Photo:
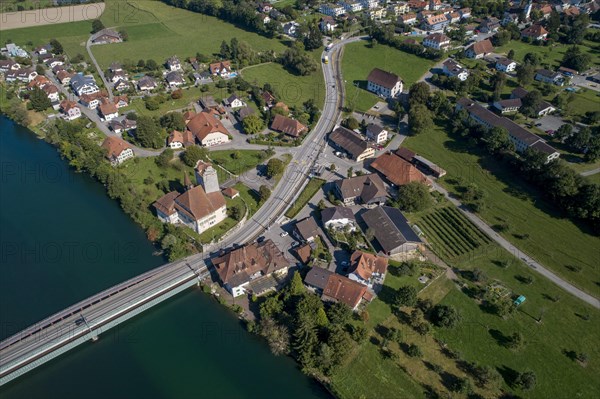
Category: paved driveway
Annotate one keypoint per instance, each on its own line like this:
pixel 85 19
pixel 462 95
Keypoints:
pixel 550 122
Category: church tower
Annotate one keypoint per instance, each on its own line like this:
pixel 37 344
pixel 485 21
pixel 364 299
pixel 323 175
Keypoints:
pixel 207 177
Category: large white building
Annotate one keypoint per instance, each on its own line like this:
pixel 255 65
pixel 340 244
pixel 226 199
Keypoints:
pixel 333 10
pixel 384 83
pixel 199 207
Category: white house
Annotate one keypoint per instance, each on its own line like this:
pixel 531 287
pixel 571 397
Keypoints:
pixel 117 150
pixel 333 10
pixel 109 111
pixel 290 28
pixel 173 64
pixel 208 130
pixel 454 69
pixel 52 92
pixel 377 133
pixel 367 269
pixel 70 110
pixel 370 4
pixel 26 75
pixel 506 65
pixel 234 102
pixel 546 76
pixel 174 79
pixel 82 84
pixel 147 83
pixel 384 83
pixel 338 217
pixel 437 41
pixel 327 24
pixel 351 5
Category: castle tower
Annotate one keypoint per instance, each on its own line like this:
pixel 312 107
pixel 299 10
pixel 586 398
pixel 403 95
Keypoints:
pixel 207 177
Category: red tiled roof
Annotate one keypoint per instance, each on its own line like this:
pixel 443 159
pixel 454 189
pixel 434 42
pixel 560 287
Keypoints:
pixel 397 170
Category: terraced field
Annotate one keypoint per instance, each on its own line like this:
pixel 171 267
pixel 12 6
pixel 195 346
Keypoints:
pixel 450 234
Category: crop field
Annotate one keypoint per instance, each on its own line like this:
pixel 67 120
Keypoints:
pixel 451 233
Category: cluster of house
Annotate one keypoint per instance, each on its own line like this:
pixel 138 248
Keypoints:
pixel 514 103
pixel 520 137
pixel 12 70
pixel 569 8
pixel 204 128
pixel 354 145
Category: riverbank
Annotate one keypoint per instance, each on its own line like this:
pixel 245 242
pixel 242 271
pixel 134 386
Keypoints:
pixel 77 242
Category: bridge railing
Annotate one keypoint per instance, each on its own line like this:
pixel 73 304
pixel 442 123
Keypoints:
pixel 76 308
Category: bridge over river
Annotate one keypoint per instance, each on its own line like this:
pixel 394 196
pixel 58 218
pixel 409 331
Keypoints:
pixel 87 319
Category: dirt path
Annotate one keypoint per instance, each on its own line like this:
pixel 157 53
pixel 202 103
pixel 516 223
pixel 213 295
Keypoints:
pixel 50 16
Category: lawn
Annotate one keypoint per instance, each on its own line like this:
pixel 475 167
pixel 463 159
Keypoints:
pixel 238 161
pixel 292 89
pixel 251 198
pixel 552 55
pixel 593 178
pixel 359 59
pixel 551 239
pixel 309 191
pixel 478 338
pixel 158 31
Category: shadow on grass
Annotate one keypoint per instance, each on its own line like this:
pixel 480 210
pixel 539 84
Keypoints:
pixel 500 338
pixel 509 375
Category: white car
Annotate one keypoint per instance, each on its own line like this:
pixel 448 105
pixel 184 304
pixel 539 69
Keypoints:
pixel 284 234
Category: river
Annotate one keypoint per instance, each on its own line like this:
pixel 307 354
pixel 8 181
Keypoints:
pixel 61 240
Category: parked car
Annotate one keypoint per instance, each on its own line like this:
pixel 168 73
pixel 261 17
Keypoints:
pixel 550 132
pixel 284 234
pixel 260 239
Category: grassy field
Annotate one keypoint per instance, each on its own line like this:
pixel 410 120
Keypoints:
pixel 555 241
pixel 309 191
pixel 552 55
pixel 291 89
pixel 567 326
pixel 159 31
pixel 11 5
pixel 250 197
pixel 359 59
pixel 238 161
pixel 593 178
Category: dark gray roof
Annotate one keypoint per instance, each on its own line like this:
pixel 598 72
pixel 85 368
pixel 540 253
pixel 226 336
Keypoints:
pixel 244 112
pixel 368 187
pixel 519 92
pixel 511 102
pixel 307 228
pixel 544 147
pixel 374 129
pixel 317 277
pixel 336 212
pixel 390 227
pixel 349 141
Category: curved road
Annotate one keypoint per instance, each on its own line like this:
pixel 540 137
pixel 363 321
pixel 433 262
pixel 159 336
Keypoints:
pixel 88 46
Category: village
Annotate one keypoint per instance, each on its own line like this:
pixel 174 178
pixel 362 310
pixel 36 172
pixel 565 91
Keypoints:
pixel 373 204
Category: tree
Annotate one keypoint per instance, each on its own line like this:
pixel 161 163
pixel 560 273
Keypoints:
pixel 264 193
pixel 419 118
pixel 474 197
pixel 351 123
pixel 526 380
pixel 339 313
pixel 151 65
pixel 39 100
pixel 141 64
pixel 97 26
pixel 236 212
pixel 414 351
pixel 515 341
pixel 57 48
pixel 414 197
pixel 332 167
pixel 193 154
pixel 460 385
pixel 406 296
pixel 298 61
pixel 173 121
pixel 533 59
pixel 350 172
pixel 296 286
pixel 579 140
pixel 445 316
pixel 148 132
pixel 563 132
pixel 497 140
pixel 225 51
pixel 487 376
pixel 164 158
pixel 253 124
pixel 530 103
pixel 276 335
pixel 313 39
pixel 511 54
pixel 418 93
pixel 525 74
pixel 275 166
pixel 574 58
